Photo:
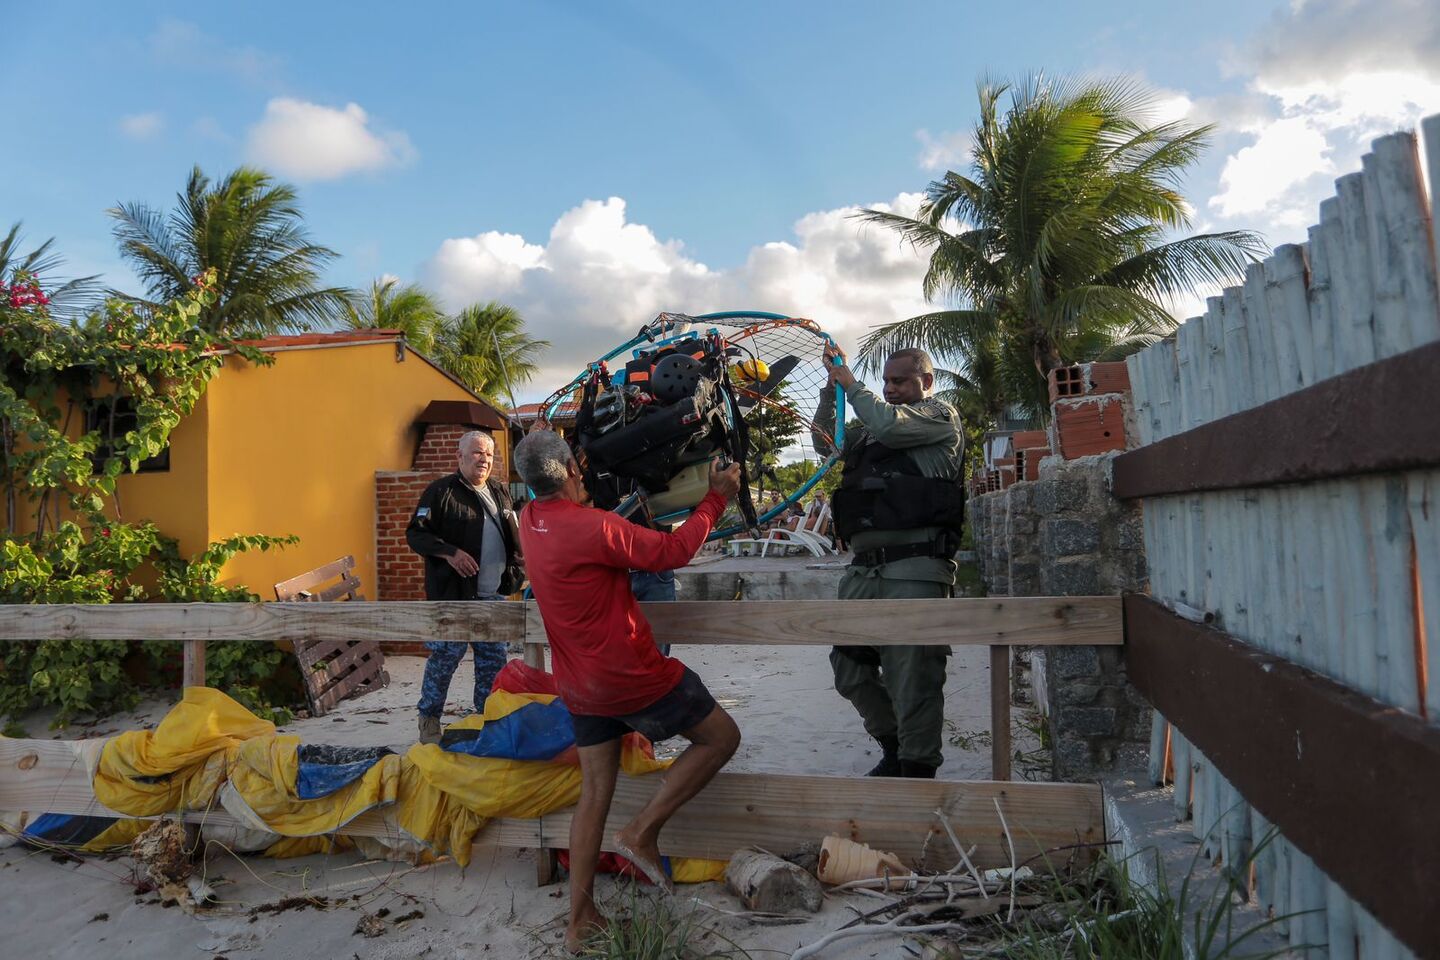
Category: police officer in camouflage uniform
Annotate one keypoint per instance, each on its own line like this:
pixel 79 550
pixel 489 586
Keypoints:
pixel 900 506
pixel 465 529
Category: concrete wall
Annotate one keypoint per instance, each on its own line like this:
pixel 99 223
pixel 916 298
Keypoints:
pixel 722 581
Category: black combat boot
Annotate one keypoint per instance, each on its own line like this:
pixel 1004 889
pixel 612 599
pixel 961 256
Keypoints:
pixel 916 770
pixel 889 765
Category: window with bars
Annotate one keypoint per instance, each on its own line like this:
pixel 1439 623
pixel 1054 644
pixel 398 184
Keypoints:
pixel 114 417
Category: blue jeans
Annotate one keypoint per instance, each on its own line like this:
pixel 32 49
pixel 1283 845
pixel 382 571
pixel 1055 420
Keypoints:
pixel 445 657
pixel 653 586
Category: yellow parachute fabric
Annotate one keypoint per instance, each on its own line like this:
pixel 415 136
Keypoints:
pixel 264 773
pixel 182 762
pixel 119 834
pixel 436 802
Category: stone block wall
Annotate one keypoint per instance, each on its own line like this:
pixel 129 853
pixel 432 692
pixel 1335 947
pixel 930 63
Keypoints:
pixel 1065 534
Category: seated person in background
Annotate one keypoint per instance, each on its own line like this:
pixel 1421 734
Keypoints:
pixel 610 674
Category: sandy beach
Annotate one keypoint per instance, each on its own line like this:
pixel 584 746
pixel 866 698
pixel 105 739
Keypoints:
pixel 308 908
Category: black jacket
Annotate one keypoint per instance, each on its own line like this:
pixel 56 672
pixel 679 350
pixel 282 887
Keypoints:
pixel 450 515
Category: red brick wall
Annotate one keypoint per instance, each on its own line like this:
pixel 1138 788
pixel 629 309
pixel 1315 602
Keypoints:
pixel 400 572
pixel 1085 426
pixel 437 453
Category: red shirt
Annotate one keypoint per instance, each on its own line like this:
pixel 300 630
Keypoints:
pixel 579 561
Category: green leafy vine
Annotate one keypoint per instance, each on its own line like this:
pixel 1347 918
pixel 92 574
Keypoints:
pixel 63 541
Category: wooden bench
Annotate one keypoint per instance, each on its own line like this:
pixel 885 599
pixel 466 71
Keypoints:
pixel 333 670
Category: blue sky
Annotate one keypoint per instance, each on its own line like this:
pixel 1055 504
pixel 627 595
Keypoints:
pixel 596 162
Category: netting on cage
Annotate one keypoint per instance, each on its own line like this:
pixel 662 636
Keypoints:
pixel 746 385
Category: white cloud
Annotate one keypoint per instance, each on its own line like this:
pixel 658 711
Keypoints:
pixel 1170 106
pixel 948 151
pixel 598 277
pixel 1325 78
pixel 309 141
pixel 141 126
pixel 482 267
pixel 1316 39
pixel 1285 153
pixel 180 43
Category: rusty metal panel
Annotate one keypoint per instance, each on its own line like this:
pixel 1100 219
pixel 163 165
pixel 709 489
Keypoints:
pixel 1350 781
pixel 1384 416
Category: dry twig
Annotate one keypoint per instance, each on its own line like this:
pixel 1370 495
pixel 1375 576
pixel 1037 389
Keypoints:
pixel 1010 917
pixel 964 855
pixel 893 926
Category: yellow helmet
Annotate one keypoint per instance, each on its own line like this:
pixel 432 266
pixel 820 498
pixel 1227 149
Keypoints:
pixel 751 371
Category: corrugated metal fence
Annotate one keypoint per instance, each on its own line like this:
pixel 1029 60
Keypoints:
pixel 1340 574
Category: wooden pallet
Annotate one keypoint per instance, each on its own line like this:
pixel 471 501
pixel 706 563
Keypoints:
pixel 333 670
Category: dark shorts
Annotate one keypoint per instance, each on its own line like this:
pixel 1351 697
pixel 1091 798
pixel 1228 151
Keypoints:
pixel 674 713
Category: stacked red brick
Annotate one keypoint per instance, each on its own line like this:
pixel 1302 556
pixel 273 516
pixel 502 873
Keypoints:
pixel 1088 408
pixel 1030 446
pixel 438 450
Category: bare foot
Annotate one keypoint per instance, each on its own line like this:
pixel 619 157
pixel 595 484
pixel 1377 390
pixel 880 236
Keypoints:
pixel 646 857
pixel 582 928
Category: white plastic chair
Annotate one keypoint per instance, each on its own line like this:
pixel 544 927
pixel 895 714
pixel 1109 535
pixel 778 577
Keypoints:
pixel 808 533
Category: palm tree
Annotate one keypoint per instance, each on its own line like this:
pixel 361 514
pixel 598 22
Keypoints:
pixel 68 298
pixel 388 306
pixel 250 229
pixel 486 347
pixel 1061 246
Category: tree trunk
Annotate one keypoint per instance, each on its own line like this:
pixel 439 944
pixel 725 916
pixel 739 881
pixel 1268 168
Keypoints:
pixel 9 480
pixel 766 883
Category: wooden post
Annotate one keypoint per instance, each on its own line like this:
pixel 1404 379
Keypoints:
pixel 194 672
pixel 547 863
pixel 999 713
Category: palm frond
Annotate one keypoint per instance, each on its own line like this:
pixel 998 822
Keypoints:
pixel 250 230
pixel 945 334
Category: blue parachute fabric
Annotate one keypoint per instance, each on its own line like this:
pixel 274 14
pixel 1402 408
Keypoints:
pixel 66 829
pixel 323 769
pixel 536 731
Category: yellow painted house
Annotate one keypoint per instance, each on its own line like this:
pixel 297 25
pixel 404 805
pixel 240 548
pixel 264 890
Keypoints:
pixel 295 448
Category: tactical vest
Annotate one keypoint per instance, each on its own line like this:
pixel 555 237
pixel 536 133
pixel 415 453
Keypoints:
pixel 883 489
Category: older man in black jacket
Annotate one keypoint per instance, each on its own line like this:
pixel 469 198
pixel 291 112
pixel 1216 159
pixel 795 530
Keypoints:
pixel 464 527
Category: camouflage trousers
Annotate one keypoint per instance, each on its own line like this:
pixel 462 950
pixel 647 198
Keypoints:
pixel 445 657
pixel 899 691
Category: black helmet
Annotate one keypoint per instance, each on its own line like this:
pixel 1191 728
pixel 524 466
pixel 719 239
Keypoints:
pixel 675 377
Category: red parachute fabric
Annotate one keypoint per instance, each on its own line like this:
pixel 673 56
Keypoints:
pixel 517 676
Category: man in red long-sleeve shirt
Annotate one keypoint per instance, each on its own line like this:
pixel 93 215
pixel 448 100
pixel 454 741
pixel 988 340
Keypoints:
pixel 611 675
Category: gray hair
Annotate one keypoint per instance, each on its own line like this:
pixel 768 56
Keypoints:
pixel 541 460
pixel 475 436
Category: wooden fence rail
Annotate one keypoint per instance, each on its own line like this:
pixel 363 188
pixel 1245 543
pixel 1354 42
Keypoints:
pixel 997 623
pixel 733 811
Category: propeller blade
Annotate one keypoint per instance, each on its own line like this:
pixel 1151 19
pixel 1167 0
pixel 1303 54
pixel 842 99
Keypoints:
pixel 778 372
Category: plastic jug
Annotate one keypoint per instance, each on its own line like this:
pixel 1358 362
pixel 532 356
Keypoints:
pixel 688 488
pixel 843 860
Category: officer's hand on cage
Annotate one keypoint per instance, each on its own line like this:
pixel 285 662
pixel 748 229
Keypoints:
pixel 725 482
pixel 839 372
pixel 462 563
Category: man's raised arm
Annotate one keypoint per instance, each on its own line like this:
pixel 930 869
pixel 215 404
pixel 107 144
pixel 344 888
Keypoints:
pixel 629 545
